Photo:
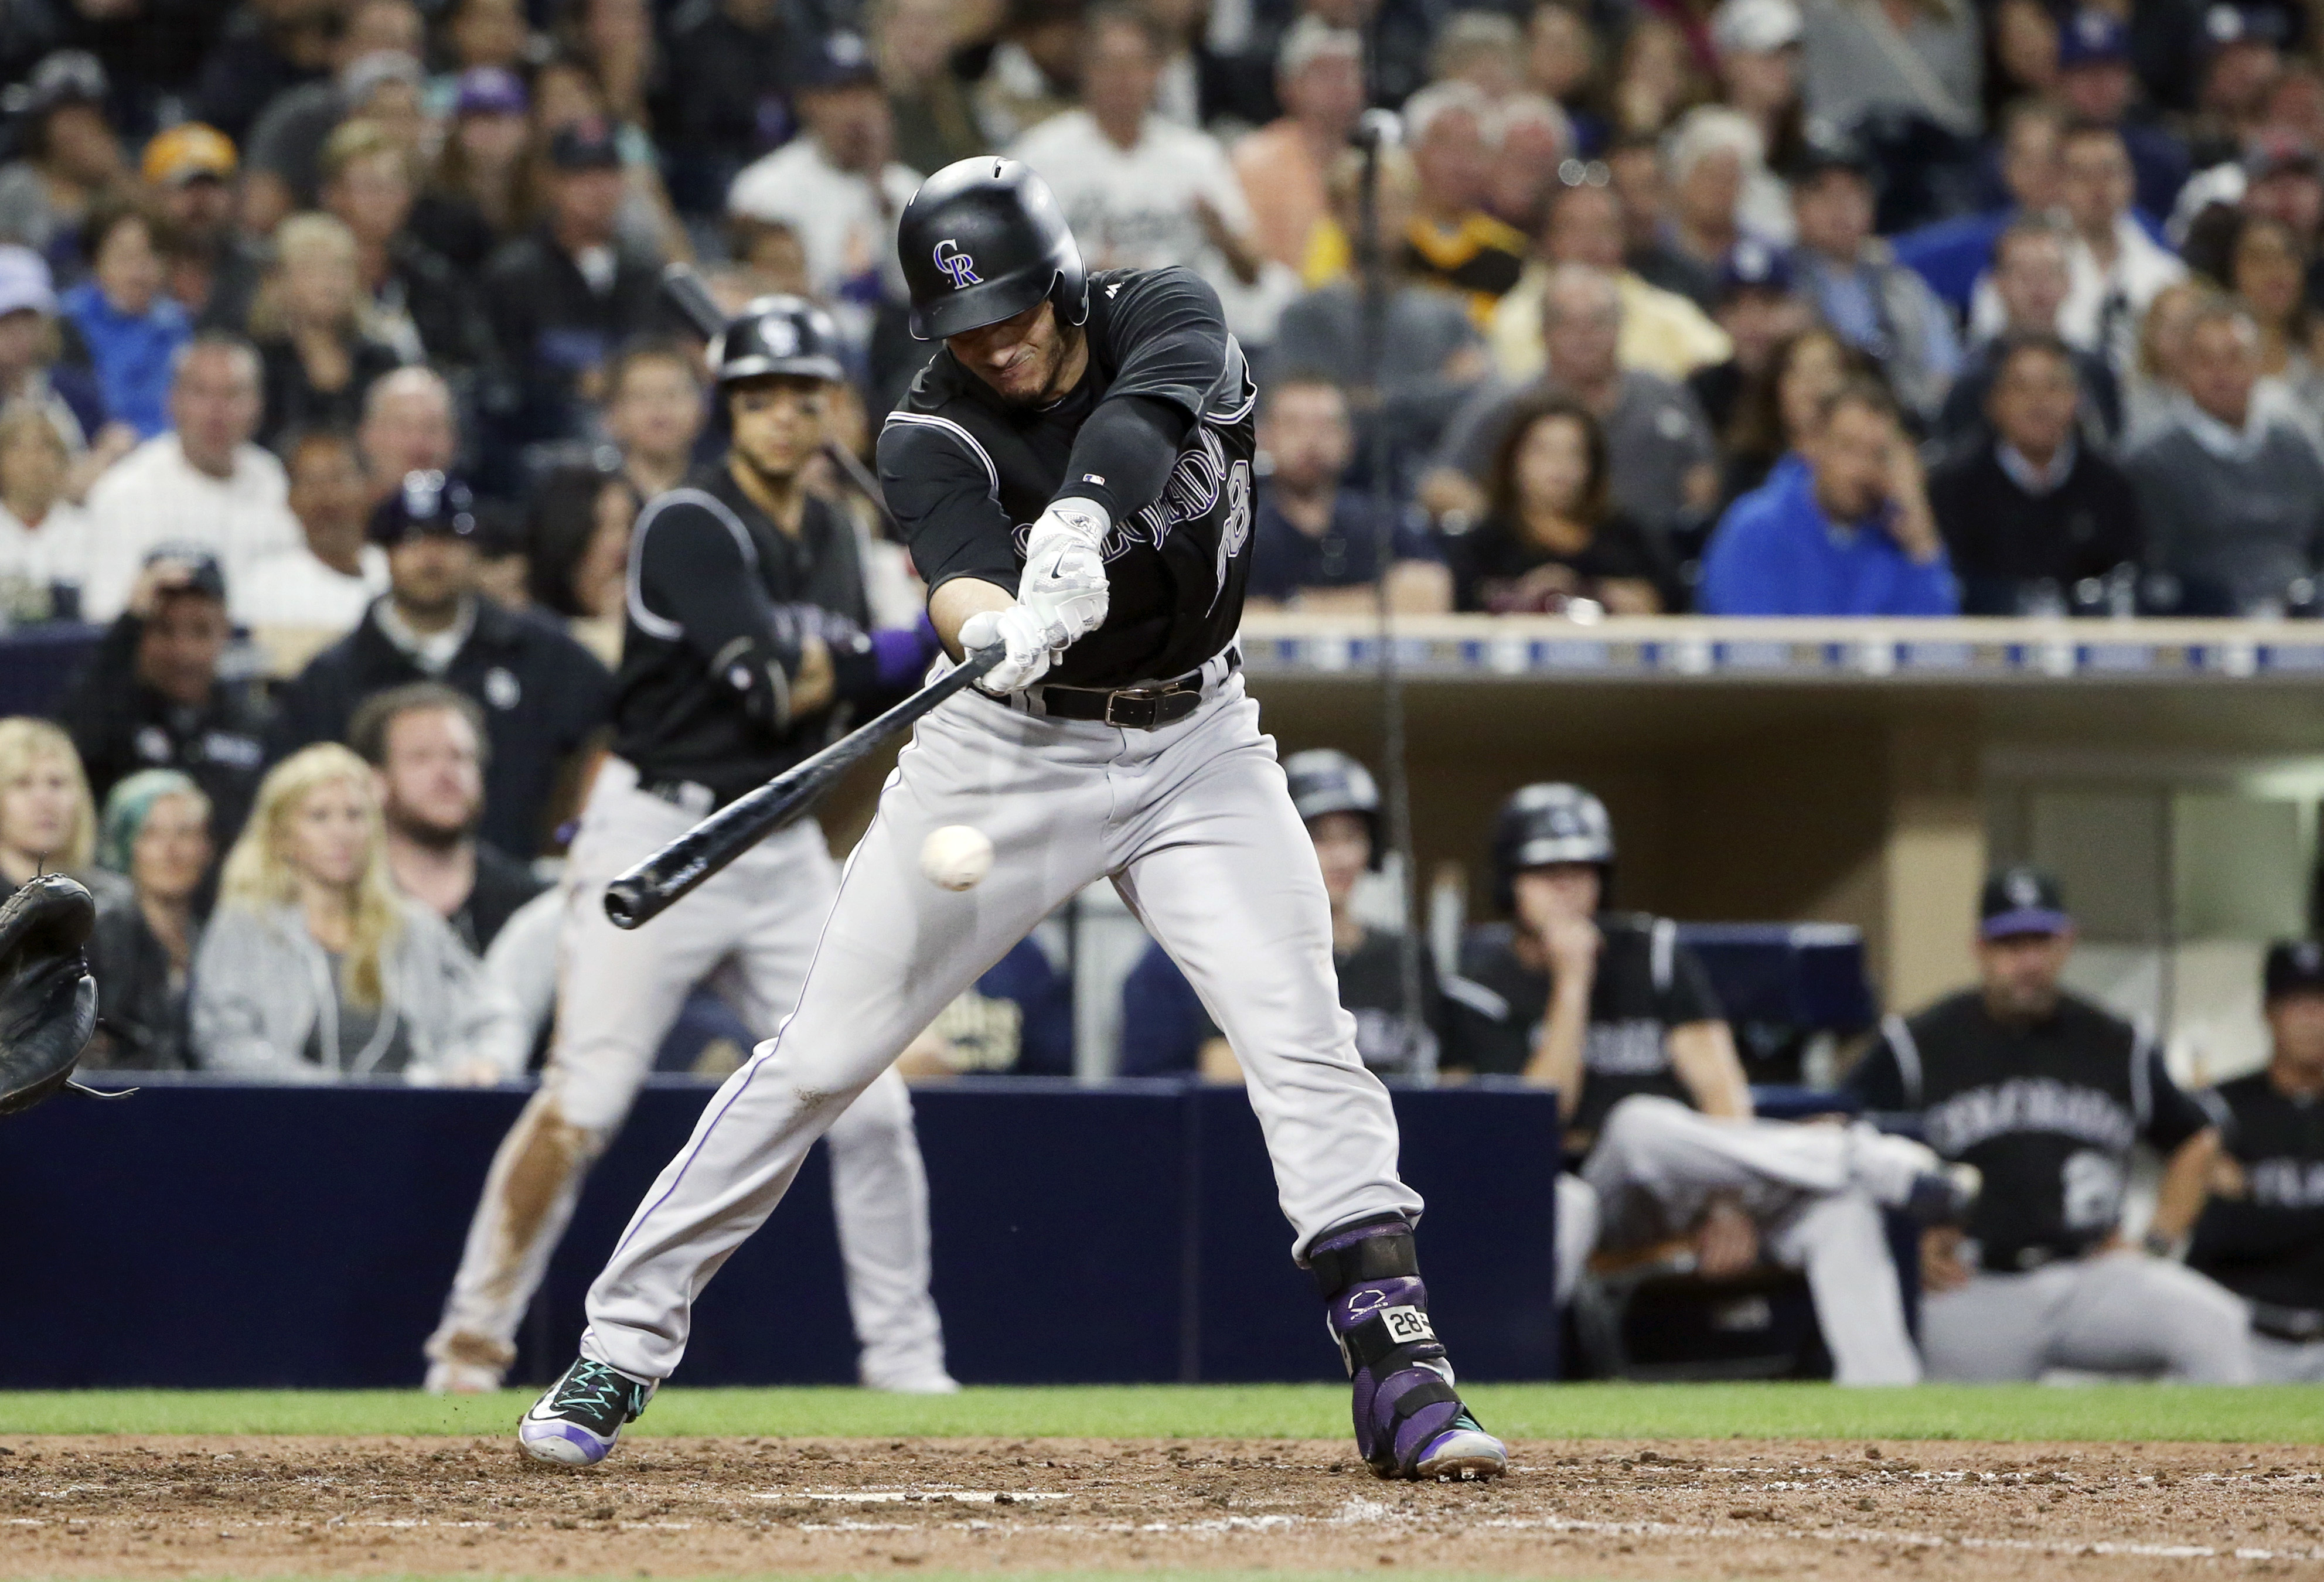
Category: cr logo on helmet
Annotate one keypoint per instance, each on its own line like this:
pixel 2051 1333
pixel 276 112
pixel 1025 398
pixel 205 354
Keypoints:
pixel 959 266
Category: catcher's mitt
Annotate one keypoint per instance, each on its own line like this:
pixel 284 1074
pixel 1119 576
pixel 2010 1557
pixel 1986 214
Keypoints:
pixel 48 1000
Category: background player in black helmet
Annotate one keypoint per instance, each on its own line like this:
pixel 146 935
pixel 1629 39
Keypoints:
pixel 2262 1234
pixel 1609 1008
pixel 1163 1028
pixel 2047 1095
pixel 1072 471
pixel 744 651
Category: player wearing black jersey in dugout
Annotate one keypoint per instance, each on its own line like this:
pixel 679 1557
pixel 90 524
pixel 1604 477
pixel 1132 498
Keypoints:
pixel 745 652
pixel 2047 1094
pixel 2262 1234
pixel 1612 1011
pixel 1072 471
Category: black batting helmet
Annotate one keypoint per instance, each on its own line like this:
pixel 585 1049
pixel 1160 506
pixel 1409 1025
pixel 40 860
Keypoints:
pixel 982 240
pixel 1547 824
pixel 1326 780
pixel 777 334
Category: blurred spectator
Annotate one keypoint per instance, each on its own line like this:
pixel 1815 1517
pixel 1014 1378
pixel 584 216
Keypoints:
pixel 484 35
pixel 311 327
pixel 1658 446
pixel 2118 268
pixel 47 819
pixel 1453 130
pixel 577 554
pixel 202 482
pixel 1953 255
pixel 156 833
pixel 1663 333
pixel 1924 60
pixel 1034 69
pixel 617 38
pixel 412 301
pixel 544 695
pixel 1655 73
pixel 2037 519
pixel 2262 1233
pixel 1481 47
pixel 1534 141
pixel 476 198
pixel 2267 267
pixel 927 102
pixel 426 743
pixel 727 93
pixel 565 94
pixel 654 413
pixel 2240 56
pixel 1316 544
pixel 1551 539
pixel 408 426
pixel 1721 191
pixel 70 161
pixel 2046 1094
pixel 152 695
pixel 132 329
pixel 212 274
pixel 1758 43
pixel 2232 494
pixel 327 583
pixel 1849 533
pixel 2157 384
pixel 1145 193
pixel 268 48
pixel 375 76
pixel 2030 280
pixel 1165 1028
pixel 31 346
pixel 1758 310
pixel 312 969
pixel 2096 85
pixel 837 187
pixel 1634 169
pixel 1777 409
pixel 45 538
pixel 1562 64
pixel 1017 1020
pixel 1429 357
pixel 1858 287
pixel 1285 165
pixel 562 297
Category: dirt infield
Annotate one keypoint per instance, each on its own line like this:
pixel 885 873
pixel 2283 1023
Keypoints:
pixel 160 1507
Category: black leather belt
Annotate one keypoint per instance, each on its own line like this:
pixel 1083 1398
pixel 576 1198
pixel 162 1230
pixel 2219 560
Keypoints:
pixel 1132 708
pixel 2299 1325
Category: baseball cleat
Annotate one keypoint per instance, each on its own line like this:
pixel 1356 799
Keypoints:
pixel 1463 1452
pixel 1944 1196
pixel 580 1419
pixel 928 1380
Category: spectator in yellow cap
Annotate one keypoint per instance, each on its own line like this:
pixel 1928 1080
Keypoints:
pixel 208 270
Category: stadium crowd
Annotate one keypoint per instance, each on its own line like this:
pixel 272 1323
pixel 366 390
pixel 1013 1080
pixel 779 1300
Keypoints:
pixel 338 318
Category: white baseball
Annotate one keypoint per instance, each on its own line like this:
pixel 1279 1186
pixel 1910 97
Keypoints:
pixel 955 857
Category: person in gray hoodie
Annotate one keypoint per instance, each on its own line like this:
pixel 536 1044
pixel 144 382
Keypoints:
pixel 314 970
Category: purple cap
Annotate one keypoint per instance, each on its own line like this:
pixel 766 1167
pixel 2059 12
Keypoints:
pixel 490 90
pixel 24 282
pixel 2021 900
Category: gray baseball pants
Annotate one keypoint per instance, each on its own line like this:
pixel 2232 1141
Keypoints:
pixel 2120 1312
pixel 1193 825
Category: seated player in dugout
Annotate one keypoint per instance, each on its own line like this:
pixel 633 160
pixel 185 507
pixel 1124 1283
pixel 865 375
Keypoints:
pixel 1612 1011
pixel 2047 1095
pixel 1166 1031
pixel 2262 1234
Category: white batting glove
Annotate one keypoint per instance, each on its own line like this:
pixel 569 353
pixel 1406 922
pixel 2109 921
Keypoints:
pixel 1064 583
pixel 1021 633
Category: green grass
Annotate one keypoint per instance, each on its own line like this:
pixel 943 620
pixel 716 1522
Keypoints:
pixel 2271 1414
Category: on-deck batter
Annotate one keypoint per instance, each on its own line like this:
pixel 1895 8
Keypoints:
pixel 744 652
pixel 1084 442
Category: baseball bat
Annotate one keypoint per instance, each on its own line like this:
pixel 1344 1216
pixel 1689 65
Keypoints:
pixel 648 890
pixel 684 290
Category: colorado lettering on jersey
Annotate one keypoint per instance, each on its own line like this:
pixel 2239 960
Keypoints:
pixel 2286 1183
pixel 2029 1104
pixel 1632 1048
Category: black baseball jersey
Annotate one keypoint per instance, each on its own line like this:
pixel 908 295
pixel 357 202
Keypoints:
pixel 720 601
pixel 966 474
pixel 2268 1245
pixel 1646 983
pixel 2048 1111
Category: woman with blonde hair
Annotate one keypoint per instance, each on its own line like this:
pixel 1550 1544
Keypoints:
pixel 311 325
pixel 313 968
pixel 47 819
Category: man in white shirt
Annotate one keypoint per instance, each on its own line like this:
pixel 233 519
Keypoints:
pixel 203 482
pixel 1141 193
pixel 2116 268
pixel 408 427
pixel 331 578
pixel 836 188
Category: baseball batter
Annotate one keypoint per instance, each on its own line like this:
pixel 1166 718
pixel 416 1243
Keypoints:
pixel 1073 472
pixel 744 652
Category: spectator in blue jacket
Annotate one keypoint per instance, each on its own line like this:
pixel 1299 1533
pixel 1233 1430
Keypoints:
pixel 133 328
pixel 1849 532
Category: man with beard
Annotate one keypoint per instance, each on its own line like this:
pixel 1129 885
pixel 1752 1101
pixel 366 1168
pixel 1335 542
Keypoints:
pixel 427 744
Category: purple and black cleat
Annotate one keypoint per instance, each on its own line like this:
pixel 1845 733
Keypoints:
pixel 580 1419
pixel 1410 1421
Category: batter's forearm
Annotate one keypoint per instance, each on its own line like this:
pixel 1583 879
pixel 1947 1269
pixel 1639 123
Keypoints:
pixel 951 604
